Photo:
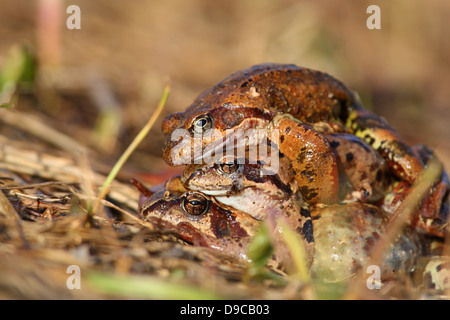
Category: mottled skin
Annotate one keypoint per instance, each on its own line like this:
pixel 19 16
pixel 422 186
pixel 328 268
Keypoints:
pixel 299 103
pixel 244 186
pixel 343 242
pixel 262 196
pixel 364 176
pixel 201 220
pixel 431 216
pixel 363 173
pixel 342 236
pixel 212 225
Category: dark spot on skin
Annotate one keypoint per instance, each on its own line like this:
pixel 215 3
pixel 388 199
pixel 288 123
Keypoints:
pixel 282 139
pixel 349 156
pixel 363 176
pixel 379 175
pixel 369 139
pixel 223 223
pixel 302 155
pixel 309 174
pixel 221 228
pixel 308 231
pixel 439 267
pixel 244 84
pixel 287 130
pixel 374 166
pixel 366 193
pixel 334 144
pixel 305 212
pixel 308 193
pixel 371 241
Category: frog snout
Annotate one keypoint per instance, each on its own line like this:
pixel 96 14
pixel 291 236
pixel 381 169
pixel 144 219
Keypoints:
pixel 171 122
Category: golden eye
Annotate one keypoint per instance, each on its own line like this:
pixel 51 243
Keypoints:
pixel 195 204
pixel 202 123
pixel 229 167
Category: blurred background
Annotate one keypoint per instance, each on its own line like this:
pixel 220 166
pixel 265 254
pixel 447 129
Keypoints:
pixel 101 83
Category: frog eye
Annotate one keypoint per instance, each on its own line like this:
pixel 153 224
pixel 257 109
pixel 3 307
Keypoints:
pixel 195 204
pixel 229 167
pixel 202 123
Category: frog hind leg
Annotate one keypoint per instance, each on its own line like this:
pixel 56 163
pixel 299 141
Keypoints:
pixel 312 159
pixel 375 131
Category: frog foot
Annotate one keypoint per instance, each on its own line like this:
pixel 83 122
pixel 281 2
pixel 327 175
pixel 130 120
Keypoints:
pixel 311 156
pixel 434 208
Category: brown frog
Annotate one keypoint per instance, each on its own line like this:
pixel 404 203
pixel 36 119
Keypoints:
pixel 249 187
pixel 364 176
pixel 201 220
pixel 294 102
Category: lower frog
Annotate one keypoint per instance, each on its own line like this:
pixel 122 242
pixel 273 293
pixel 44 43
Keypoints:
pixel 255 187
pixel 203 221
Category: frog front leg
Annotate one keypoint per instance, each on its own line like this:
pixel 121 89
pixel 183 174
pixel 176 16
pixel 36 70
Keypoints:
pixel 376 131
pixel 311 156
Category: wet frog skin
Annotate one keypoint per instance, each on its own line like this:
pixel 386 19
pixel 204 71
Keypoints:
pixel 197 218
pixel 252 98
pixel 203 221
pixel 343 242
pixel 364 176
pixel 245 186
pixel 431 216
pixel 343 234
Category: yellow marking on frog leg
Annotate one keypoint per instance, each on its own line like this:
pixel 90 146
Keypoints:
pixel 376 132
